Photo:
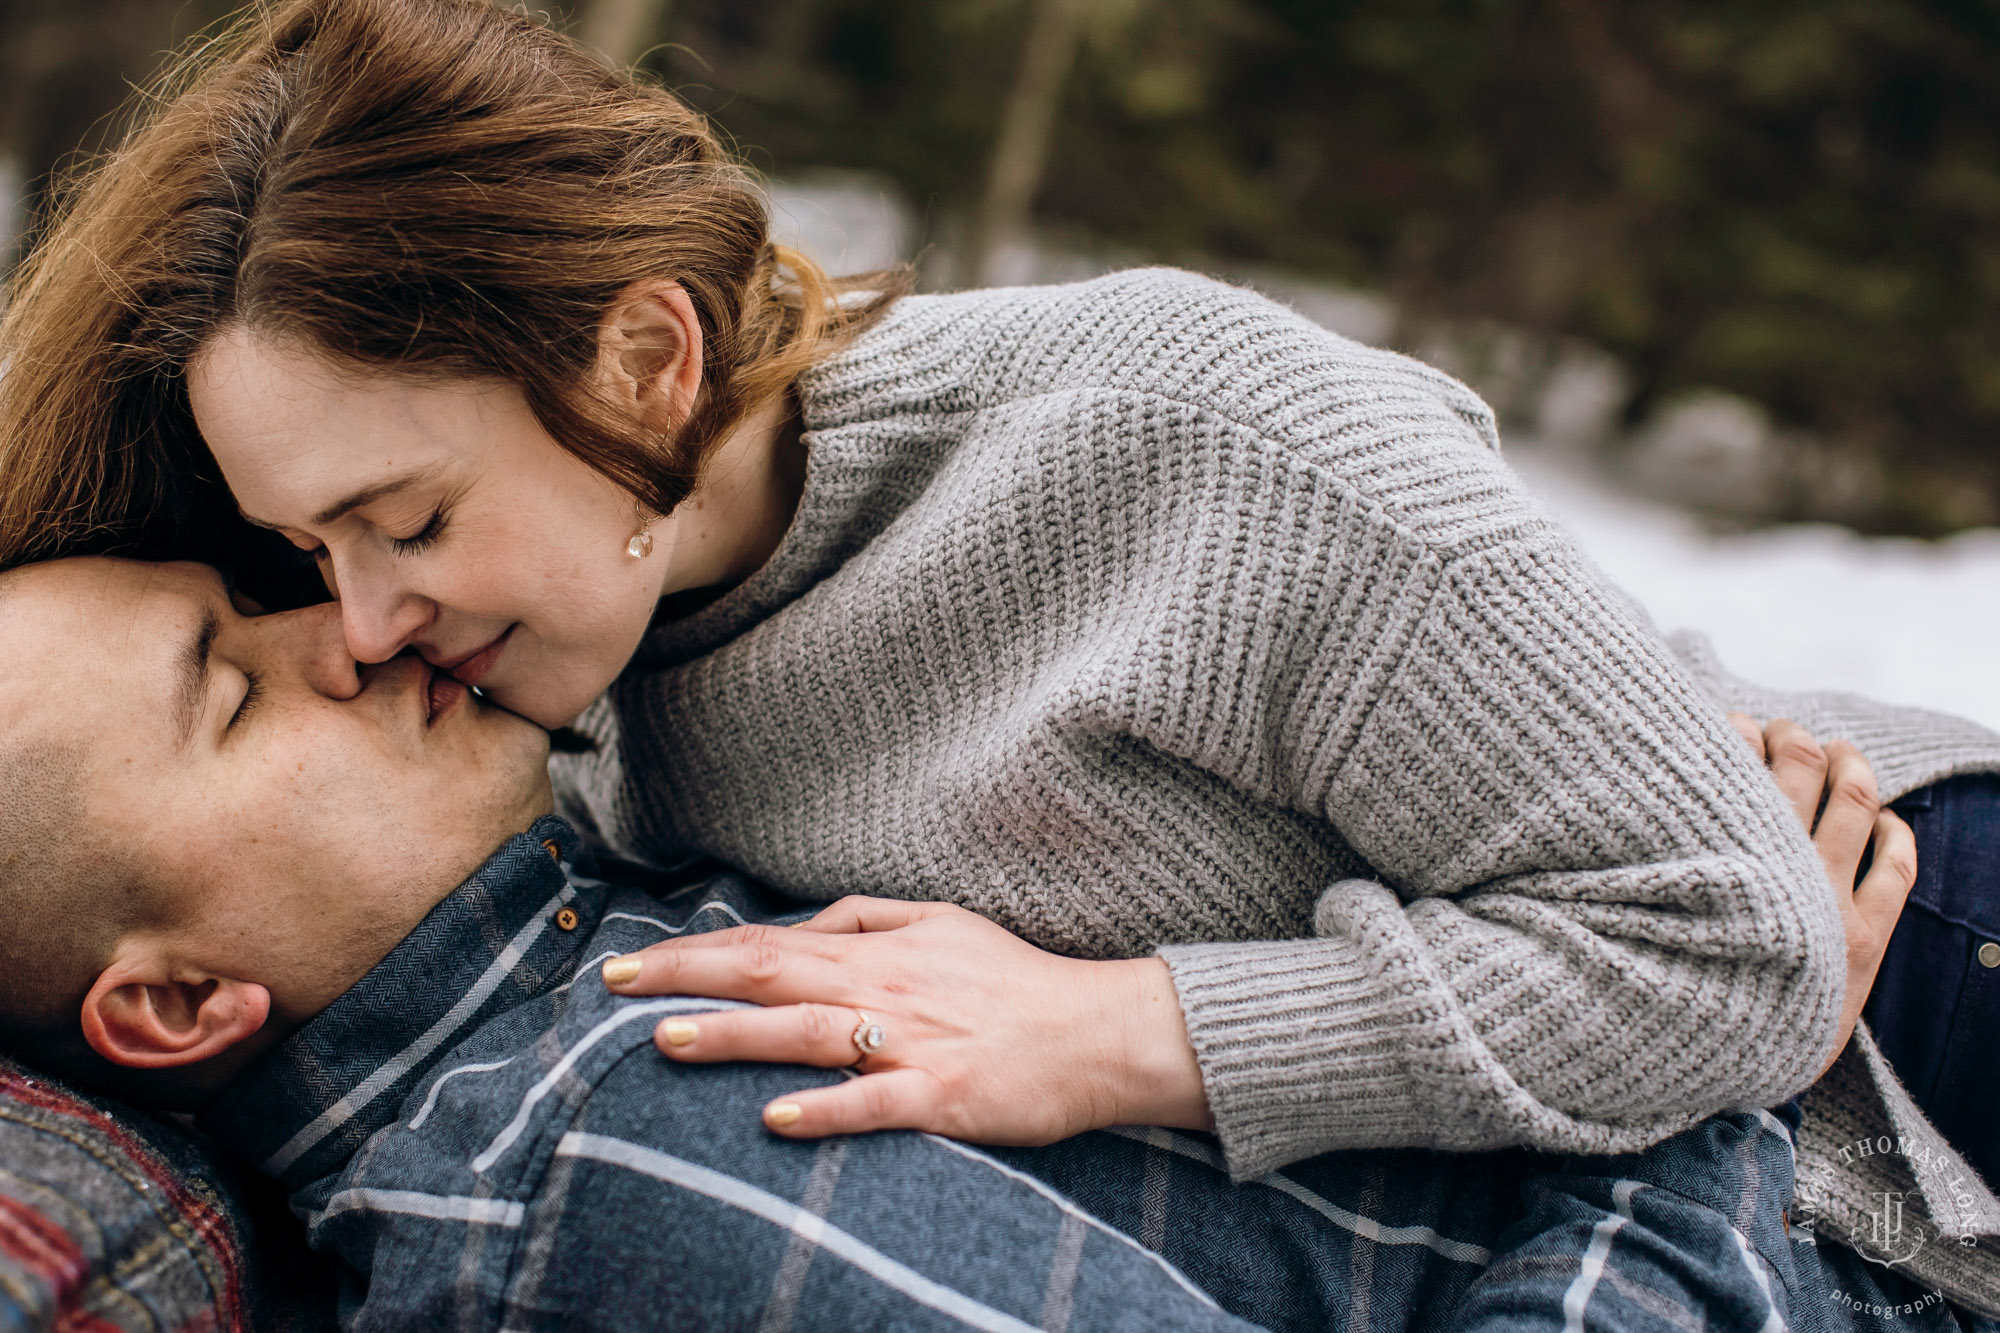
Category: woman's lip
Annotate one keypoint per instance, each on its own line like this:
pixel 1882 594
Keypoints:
pixel 472 669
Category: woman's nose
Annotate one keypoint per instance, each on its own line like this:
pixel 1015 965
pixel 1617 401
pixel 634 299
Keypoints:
pixel 379 620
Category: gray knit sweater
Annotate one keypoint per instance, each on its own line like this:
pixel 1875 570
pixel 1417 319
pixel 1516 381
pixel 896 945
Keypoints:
pixel 1144 614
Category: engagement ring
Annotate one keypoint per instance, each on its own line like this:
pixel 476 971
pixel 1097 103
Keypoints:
pixel 869 1036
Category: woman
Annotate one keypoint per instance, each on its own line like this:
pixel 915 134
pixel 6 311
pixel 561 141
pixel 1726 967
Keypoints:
pixel 1329 796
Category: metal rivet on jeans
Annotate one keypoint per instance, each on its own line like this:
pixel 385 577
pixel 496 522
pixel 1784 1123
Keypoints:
pixel 1989 954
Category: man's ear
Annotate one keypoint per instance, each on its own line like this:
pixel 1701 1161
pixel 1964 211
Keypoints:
pixel 142 1016
pixel 649 353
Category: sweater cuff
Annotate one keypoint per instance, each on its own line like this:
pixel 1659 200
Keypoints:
pixel 1351 1041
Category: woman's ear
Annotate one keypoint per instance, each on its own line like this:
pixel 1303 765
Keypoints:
pixel 649 352
pixel 140 1015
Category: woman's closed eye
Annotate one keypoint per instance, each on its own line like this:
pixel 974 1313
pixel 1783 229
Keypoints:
pixel 422 539
pixel 253 693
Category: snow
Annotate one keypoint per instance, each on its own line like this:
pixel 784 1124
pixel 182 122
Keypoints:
pixel 1805 607
pixel 849 222
pixel 1797 608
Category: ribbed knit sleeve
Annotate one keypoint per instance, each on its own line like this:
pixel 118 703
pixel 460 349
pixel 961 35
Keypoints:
pixel 1594 922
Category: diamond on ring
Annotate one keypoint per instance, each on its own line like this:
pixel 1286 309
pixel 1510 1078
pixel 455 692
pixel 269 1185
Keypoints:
pixel 869 1036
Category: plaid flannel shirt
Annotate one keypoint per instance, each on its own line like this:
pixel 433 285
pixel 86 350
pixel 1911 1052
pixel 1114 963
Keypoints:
pixel 487 1139
pixel 113 1219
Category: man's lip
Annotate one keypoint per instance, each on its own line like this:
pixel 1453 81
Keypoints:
pixel 435 692
pixel 442 693
pixel 472 668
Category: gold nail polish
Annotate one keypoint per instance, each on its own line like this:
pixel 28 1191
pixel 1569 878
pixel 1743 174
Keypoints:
pixel 781 1114
pixel 621 971
pixel 678 1031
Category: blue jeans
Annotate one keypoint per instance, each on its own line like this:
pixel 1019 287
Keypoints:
pixel 1935 1009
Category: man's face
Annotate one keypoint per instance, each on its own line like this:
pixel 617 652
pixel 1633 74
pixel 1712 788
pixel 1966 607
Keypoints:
pixel 306 812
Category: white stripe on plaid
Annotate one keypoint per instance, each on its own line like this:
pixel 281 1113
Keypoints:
pixel 589 969
pixel 455 1018
pixel 1365 1227
pixel 1772 1322
pixel 1594 1258
pixel 748 1198
pixel 506 1137
pixel 443 1207
pixel 1071 1210
pixel 723 908
pixel 431 1099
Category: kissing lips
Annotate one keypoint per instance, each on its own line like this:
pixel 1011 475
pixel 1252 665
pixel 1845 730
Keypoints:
pixel 445 693
pixel 472 668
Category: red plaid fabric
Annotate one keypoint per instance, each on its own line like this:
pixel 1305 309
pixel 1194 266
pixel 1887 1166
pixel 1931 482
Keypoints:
pixel 111 1219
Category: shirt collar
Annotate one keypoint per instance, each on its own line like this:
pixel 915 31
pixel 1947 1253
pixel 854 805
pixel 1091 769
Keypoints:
pixel 513 931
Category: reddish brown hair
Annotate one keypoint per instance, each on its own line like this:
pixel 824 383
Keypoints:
pixel 438 187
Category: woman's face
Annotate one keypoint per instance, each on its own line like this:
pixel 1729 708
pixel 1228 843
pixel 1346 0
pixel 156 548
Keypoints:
pixel 443 516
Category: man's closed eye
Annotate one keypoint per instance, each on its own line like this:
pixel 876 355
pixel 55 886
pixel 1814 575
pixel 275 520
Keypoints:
pixel 253 692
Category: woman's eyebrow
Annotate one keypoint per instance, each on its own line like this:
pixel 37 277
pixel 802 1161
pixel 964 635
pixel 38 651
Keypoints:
pixel 367 495
pixel 191 666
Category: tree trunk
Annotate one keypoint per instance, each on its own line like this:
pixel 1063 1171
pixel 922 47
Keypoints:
pixel 1027 125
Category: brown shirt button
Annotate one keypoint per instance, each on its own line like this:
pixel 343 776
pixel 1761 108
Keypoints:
pixel 555 852
pixel 566 919
pixel 1989 954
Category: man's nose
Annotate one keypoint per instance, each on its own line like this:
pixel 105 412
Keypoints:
pixel 322 651
pixel 378 617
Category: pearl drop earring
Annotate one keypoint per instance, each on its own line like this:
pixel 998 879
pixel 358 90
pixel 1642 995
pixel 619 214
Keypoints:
pixel 641 545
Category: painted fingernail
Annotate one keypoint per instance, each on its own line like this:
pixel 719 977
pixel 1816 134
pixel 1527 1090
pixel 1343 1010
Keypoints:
pixel 678 1031
pixel 781 1114
pixel 621 971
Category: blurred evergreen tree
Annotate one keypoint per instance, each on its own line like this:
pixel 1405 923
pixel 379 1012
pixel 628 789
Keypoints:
pixel 1797 200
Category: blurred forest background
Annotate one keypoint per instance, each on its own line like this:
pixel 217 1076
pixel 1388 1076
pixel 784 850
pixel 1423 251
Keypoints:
pixel 1743 255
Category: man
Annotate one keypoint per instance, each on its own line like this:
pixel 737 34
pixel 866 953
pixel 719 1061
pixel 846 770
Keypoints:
pixel 250 878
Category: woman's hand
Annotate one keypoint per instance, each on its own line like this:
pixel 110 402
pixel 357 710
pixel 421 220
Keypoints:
pixel 986 1037
pixel 1832 789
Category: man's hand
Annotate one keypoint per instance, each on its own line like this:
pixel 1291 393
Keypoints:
pixel 985 1037
pixel 1832 789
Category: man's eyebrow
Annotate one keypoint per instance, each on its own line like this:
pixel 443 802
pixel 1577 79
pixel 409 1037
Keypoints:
pixel 367 495
pixel 191 666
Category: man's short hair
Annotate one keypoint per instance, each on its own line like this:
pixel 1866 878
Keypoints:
pixel 65 894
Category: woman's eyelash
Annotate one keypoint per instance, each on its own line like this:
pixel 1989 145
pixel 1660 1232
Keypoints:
pixel 252 693
pixel 423 539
